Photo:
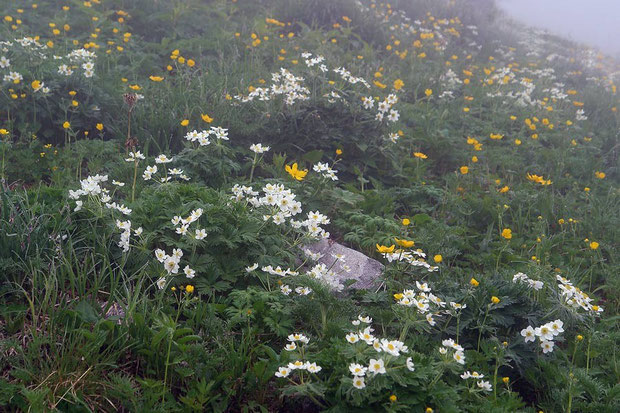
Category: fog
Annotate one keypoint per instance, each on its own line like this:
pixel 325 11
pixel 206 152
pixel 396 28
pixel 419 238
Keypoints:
pixel 591 22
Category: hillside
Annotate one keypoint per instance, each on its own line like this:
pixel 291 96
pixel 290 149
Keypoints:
pixel 168 165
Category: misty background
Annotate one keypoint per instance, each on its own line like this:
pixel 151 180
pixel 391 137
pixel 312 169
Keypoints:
pixel 591 22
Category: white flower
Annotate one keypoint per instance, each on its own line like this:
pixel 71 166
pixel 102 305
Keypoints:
pixel 410 364
pixel 160 255
pixel 303 290
pixel 357 369
pixel 162 159
pixel 290 347
pixel 297 365
pixel 528 333
pixel 298 337
pixel 78 206
pixel 358 382
pixel 391 347
pixel 376 366
pixel 171 265
pixel 352 338
pixel 485 385
pixel 544 332
pixel 259 148
pixel 313 367
pixel 547 346
pixel 251 267
pixel 285 289
pixel 283 372
pixel 556 327
pixel 443 350
pixel 201 234
pixel 189 273
pixel 459 357
pixel 161 283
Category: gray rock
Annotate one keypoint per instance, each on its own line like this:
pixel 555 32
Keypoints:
pixel 363 268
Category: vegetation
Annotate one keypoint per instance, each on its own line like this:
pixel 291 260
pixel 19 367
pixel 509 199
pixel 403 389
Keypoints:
pixel 165 166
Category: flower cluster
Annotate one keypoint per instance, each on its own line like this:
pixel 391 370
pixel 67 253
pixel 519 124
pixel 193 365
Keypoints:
pixel 576 298
pixel 182 224
pixel 421 301
pixel 297 343
pixel 325 170
pixel 458 352
pixel 414 258
pixel 523 278
pixel 392 349
pixel 545 333
pixel 281 205
pixel 171 265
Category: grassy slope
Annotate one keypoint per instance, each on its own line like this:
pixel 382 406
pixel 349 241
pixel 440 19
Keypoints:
pixel 220 349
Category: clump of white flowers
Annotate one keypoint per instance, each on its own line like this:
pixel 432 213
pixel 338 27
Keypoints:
pixel 411 257
pixel 533 284
pixel 182 224
pixel 297 343
pixel 393 349
pixel 458 353
pixel 576 298
pixel 546 333
pixel 280 206
pixel 325 170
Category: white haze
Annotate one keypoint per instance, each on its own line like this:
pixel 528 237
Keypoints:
pixel 591 22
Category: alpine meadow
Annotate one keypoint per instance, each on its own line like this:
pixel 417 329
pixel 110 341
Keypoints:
pixel 305 206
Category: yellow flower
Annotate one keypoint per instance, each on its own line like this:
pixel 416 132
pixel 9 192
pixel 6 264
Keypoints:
pixel 496 136
pixel 594 245
pixel 384 250
pixel 406 221
pixel 506 380
pixel 474 282
pixel 474 159
pixel 4 132
pixel 404 243
pixel 579 337
pixel 338 152
pixel 66 125
pixel 36 84
pixel 561 221
pixel 206 118
pixel 599 175
pixel 464 170
pixel 420 155
pixel 134 87
pixel 379 84
pixel 191 63
pixel 75 103
pixel 507 233
pixel 495 300
pixel 398 84
pixel 156 78
pixel 393 398
pixel 398 296
pixel 189 288
pixel 428 92
pixel 538 179
pixel 438 258
pixel 296 173
pixel 504 189
pixel 185 122
pixel 517 142
pixel 99 127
